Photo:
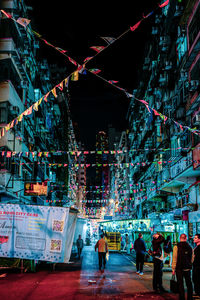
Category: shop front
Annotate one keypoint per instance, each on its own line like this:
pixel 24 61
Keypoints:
pixel 130 227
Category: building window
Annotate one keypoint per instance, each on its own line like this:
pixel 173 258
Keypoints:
pixel 3 115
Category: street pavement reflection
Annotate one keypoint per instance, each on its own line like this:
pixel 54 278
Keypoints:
pixel 81 280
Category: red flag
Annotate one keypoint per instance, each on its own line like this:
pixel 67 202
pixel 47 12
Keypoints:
pixel 135 26
pixel 88 58
pixel 72 61
pixel 164 4
pixel 112 81
pixel 155 112
pixel 146 104
pixel 98 48
pixel 95 71
pixel 61 50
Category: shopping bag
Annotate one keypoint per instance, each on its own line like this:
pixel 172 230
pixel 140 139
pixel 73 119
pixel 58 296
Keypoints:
pixel 107 256
pixel 173 285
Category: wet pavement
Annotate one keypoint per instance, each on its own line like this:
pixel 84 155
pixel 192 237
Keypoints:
pixel 81 280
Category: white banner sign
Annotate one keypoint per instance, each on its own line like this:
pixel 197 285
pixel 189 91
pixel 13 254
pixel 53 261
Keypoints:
pixel 34 232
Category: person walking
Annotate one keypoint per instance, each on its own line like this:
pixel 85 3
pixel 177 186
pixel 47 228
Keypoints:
pixel 182 265
pixel 79 244
pixel 196 266
pixel 157 254
pixel 140 249
pixel 168 250
pixel 102 247
pixel 127 244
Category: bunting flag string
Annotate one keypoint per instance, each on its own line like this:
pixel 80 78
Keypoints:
pixel 157 113
pixel 121 165
pixel 92 152
pixel 96 48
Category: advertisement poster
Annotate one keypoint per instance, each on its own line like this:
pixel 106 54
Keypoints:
pixel 33 232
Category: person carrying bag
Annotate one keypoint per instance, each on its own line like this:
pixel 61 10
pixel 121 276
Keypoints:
pixel 174 285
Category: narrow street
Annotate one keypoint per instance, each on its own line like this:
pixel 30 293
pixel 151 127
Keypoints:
pixel 117 281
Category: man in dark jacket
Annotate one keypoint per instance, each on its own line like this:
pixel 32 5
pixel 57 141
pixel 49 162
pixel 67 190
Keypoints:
pixel 140 249
pixel 182 265
pixel 79 244
pixel 196 265
pixel 158 239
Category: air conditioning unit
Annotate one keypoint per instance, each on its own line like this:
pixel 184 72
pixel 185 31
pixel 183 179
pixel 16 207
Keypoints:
pixel 168 65
pixel 158 19
pixel 193 85
pixel 41 121
pixel 14 110
pixel 25 51
pixel 44 65
pixel 183 75
pixel 163 79
pixel 154 30
pixel 31 140
pixel 36 45
pixel 24 84
pixel 196 120
pixel 178 11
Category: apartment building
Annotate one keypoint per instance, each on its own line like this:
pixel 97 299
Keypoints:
pixel 119 179
pixel 35 150
pixel 164 153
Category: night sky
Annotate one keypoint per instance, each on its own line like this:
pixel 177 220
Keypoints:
pixel 76 27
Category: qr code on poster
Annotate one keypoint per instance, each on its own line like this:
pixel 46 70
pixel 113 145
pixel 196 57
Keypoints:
pixel 58 225
pixel 56 245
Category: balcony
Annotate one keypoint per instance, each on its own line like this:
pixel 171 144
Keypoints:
pixel 8 49
pixel 8 93
pixel 181 173
pixel 193 103
pixel 193 34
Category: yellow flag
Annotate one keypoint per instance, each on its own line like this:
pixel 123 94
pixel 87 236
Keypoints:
pixel 74 76
pixel 54 92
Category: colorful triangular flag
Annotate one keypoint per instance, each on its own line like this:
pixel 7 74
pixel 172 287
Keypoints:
pixel 95 71
pixel 97 48
pixel 28 111
pixel 23 21
pixel 75 76
pixel 108 39
pixel 134 27
pixel 54 92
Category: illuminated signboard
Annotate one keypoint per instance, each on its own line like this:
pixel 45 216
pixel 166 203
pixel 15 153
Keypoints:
pixel 35 189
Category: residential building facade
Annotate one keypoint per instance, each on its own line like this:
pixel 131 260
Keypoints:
pixel 164 152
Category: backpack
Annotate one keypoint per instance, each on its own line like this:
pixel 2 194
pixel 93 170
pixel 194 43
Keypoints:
pixel 184 257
